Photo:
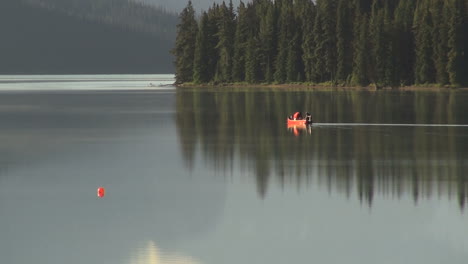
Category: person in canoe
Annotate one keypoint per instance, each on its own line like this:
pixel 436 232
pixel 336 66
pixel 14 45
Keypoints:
pixel 297 116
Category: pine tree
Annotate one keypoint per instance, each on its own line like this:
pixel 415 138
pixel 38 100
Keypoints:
pixel 344 40
pixel 404 42
pixel 200 67
pixel 252 71
pixel 293 62
pixel 240 44
pixel 225 45
pixel 456 37
pixel 308 46
pixel 252 60
pixel 361 60
pixel 184 50
pixel 390 78
pixel 318 68
pixel 329 40
pixel 440 13
pixel 267 39
pixel 377 39
pixel 424 65
pixel 284 27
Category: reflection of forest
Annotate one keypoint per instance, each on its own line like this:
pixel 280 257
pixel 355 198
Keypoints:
pixel 391 161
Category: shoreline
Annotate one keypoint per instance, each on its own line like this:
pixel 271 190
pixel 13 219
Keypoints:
pixel 318 87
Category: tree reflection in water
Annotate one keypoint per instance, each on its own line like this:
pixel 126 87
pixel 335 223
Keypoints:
pixel 250 126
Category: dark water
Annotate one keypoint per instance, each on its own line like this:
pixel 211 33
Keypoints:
pixel 199 176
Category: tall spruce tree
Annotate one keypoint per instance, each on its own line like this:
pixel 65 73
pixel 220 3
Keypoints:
pixel 344 40
pixel 225 45
pixel 285 35
pixel 252 60
pixel 360 75
pixel 456 38
pixel 308 46
pixel 201 68
pixel 240 44
pixel 329 40
pixel 267 39
pixel 404 42
pixel 424 65
pixel 184 50
pixel 319 69
pixel 440 13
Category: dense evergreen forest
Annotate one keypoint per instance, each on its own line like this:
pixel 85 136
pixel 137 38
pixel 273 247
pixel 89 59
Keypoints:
pixel 84 36
pixel 338 42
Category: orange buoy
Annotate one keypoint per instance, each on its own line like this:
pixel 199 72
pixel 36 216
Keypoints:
pixel 101 192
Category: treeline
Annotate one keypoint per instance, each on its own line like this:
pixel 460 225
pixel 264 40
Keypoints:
pixel 39 39
pixel 342 42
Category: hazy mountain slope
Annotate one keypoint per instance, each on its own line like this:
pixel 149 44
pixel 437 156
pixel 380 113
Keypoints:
pixel 41 40
pixel 129 14
pixel 178 5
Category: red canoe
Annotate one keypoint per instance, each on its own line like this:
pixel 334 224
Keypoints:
pixel 299 122
pixel 307 120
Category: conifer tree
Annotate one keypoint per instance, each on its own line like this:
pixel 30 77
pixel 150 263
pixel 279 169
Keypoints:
pixel 225 45
pixel 184 50
pixel 293 61
pixel 404 42
pixel 200 67
pixel 377 39
pixel 308 46
pixel 318 68
pixel 285 28
pixel 329 40
pixel 240 44
pixel 424 65
pixel 456 37
pixel 440 13
pixel 360 62
pixel 267 39
pixel 344 39
pixel 252 71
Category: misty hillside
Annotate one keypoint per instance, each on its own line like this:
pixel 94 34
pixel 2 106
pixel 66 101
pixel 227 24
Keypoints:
pixel 125 13
pixel 84 36
pixel 178 5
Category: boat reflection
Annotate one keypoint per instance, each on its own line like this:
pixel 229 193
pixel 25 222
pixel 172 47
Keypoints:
pixel 296 130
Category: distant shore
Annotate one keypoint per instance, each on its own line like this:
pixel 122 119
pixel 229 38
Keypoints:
pixel 307 86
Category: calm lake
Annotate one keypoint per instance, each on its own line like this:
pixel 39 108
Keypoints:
pixel 216 176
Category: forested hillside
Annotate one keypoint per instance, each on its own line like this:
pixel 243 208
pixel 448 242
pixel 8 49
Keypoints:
pixel 71 36
pixel 340 42
pixel 178 5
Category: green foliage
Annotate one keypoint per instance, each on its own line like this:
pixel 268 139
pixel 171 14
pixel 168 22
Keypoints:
pixel 344 40
pixel 457 57
pixel 184 50
pixel 201 69
pixel 240 44
pixel 225 46
pixel 424 65
pixel 384 42
pixel 361 54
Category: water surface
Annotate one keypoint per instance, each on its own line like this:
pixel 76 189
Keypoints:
pixel 216 176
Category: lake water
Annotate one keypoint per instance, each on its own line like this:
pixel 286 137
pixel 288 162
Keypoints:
pixel 216 176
